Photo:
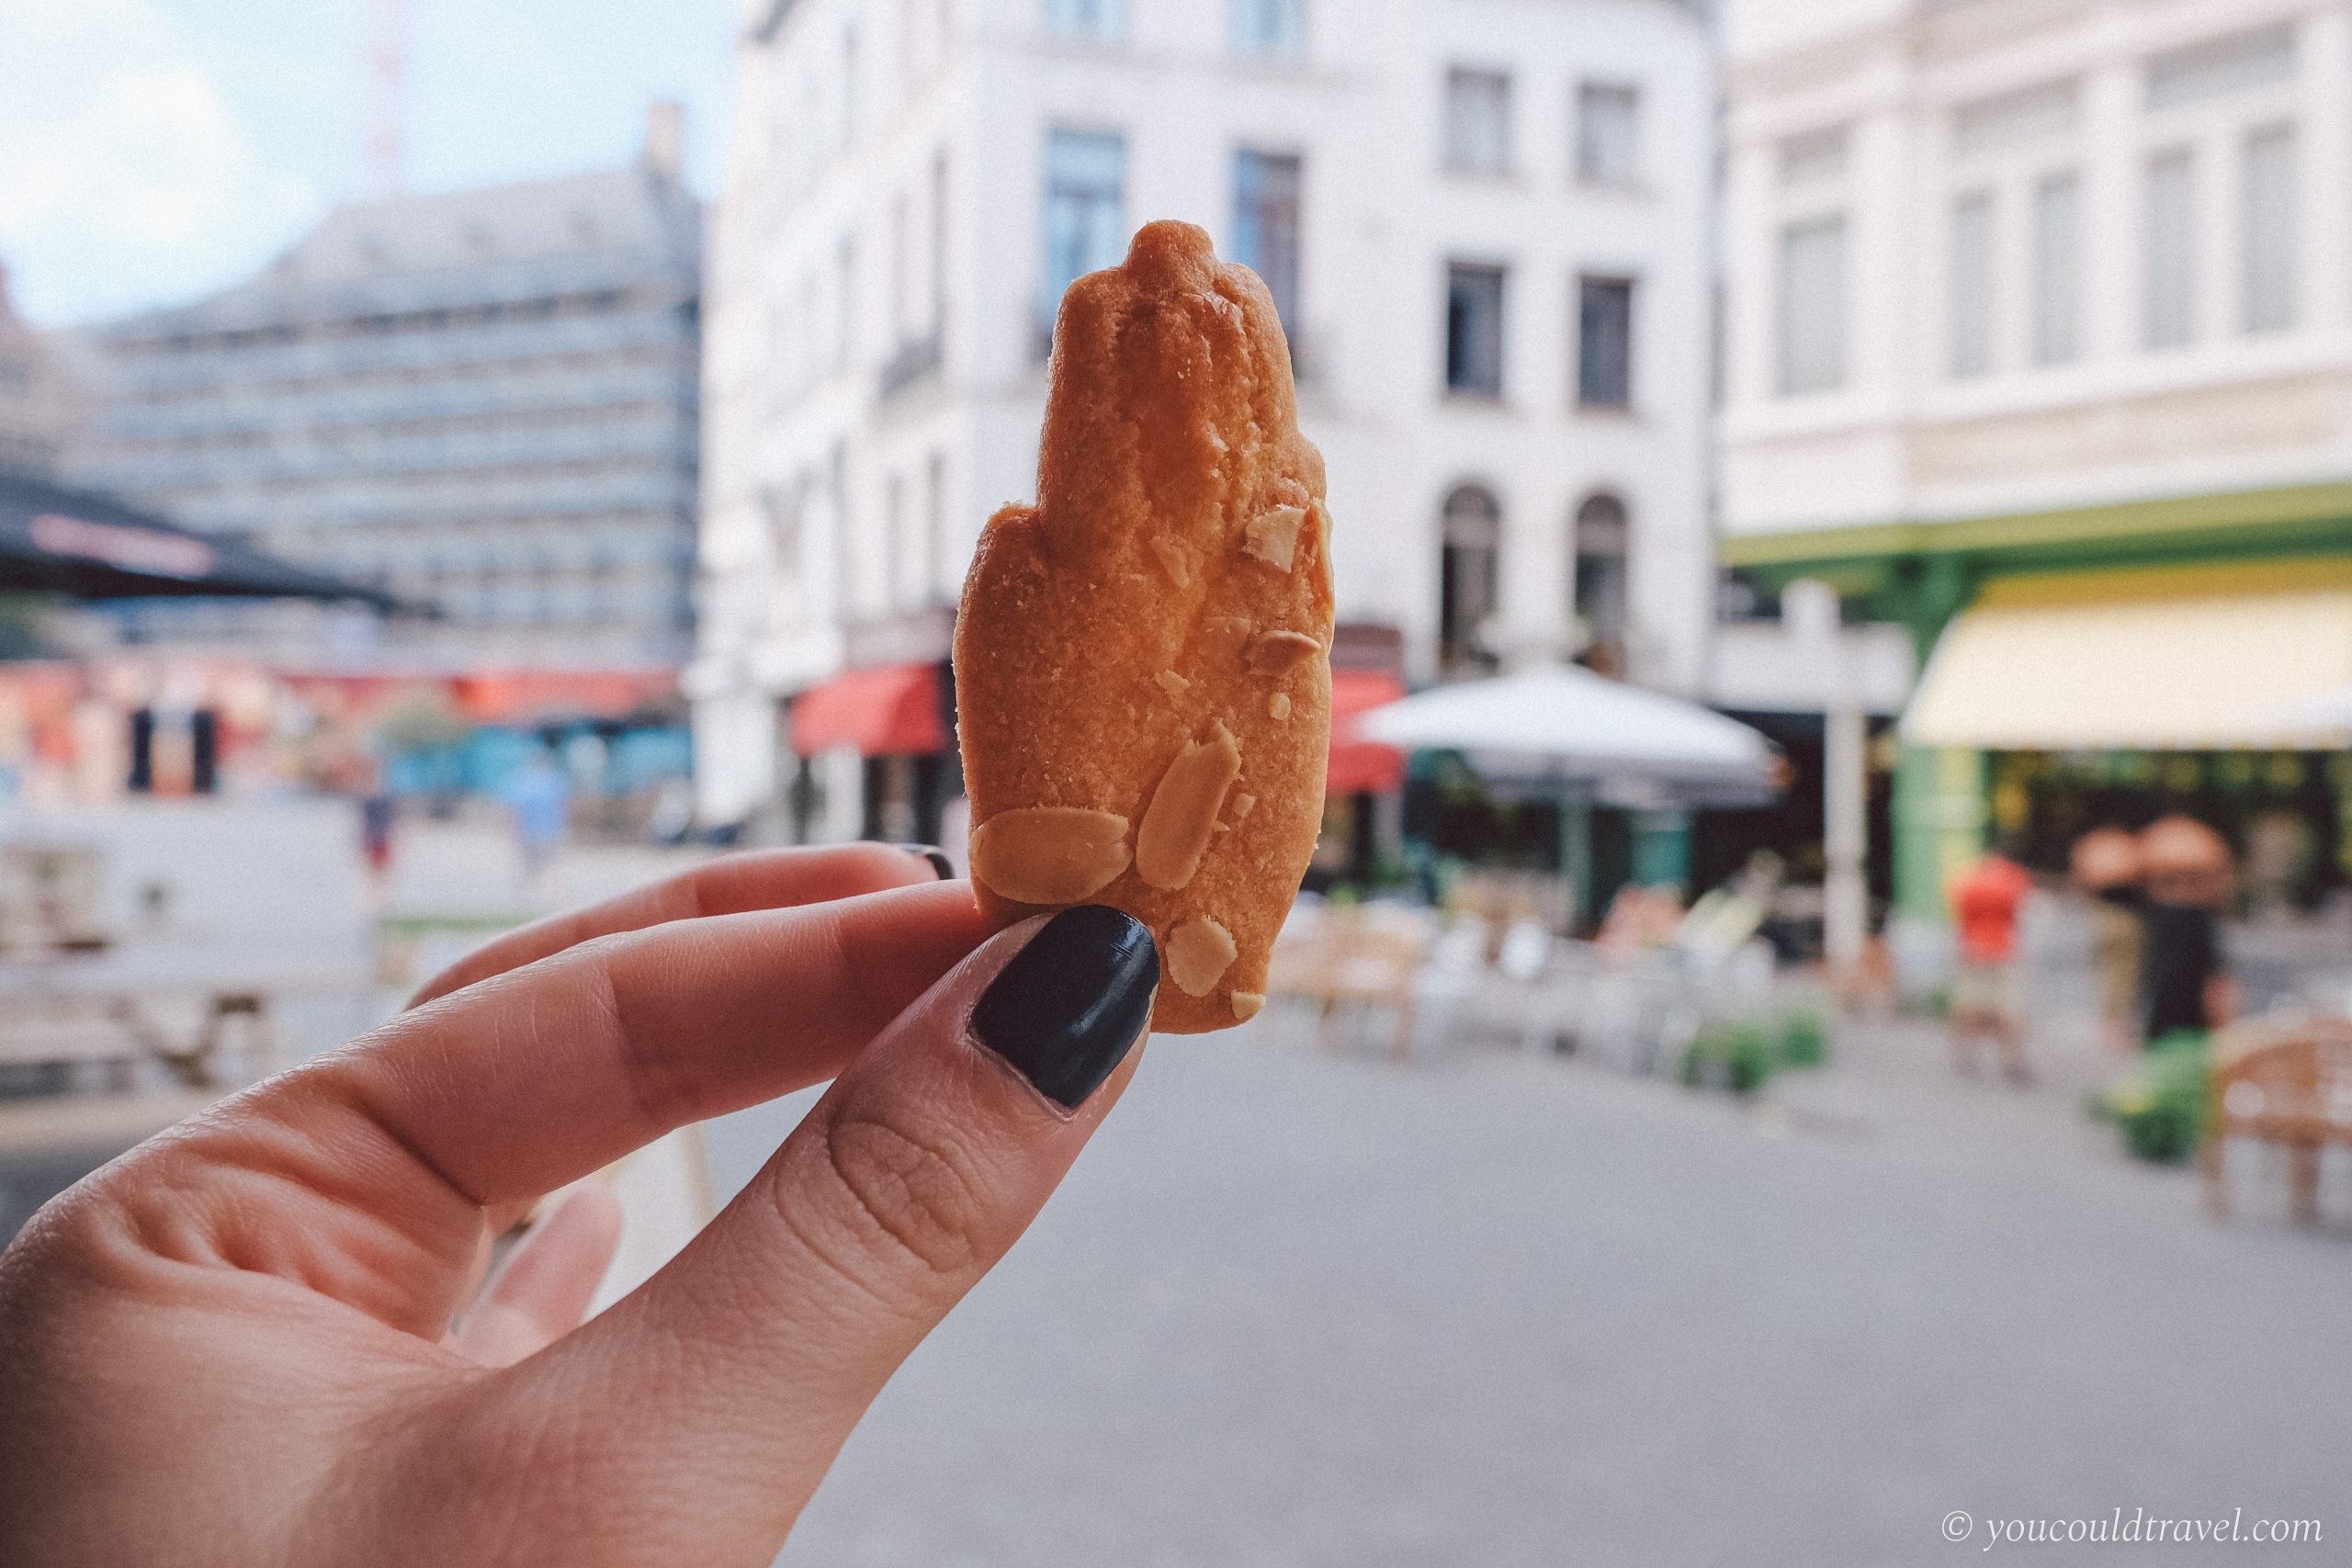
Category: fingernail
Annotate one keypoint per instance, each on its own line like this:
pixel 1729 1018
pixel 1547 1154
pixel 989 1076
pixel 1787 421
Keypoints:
pixel 936 856
pixel 1073 1003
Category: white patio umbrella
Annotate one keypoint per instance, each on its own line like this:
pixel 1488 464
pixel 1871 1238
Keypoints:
pixel 1568 726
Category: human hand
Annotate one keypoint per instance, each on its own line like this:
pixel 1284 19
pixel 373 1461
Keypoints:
pixel 233 1345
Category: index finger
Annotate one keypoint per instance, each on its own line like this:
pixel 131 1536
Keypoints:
pixel 771 879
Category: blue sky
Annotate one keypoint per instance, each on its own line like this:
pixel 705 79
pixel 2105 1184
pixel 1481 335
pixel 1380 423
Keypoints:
pixel 153 150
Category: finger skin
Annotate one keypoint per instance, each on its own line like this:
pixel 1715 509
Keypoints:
pixel 773 879
pixel 545 1289
pixel 734 1375
pixel 365 1174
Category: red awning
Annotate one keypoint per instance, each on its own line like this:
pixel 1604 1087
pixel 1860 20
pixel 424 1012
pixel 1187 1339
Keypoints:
pixel 1360 766
pixel 887 711
pixel 529 696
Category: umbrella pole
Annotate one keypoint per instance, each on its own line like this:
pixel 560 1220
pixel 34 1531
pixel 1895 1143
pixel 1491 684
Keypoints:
pixel 1574 854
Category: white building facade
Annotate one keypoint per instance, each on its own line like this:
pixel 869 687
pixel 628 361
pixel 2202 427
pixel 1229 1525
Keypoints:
pixel 2039 339
pixel 1485 222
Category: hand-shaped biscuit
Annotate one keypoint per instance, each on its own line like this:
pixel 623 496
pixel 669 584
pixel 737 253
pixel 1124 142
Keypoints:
pixel 1142 675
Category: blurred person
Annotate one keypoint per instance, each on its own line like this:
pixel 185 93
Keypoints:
pixel 2105 865
pixel 377 810
pixel 263 1336
pixel 538 797
pixel 1985 901
pixel 2190 874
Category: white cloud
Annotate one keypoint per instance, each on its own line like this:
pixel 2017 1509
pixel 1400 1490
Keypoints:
pixel 125 173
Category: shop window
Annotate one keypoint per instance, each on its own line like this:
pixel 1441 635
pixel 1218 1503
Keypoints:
pixel 1597 588
pixel 1469 582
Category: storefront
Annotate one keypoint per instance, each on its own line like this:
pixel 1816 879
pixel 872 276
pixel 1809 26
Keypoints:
pixel 2065 700
pixel 2109 663
pixel 876 754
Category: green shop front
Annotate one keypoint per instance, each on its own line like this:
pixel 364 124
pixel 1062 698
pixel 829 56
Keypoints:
pixel 2105 664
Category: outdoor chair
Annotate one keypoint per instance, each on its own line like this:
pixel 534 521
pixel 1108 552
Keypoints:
pixel 1347 961
pixel 1452 978
pixel 2288 1084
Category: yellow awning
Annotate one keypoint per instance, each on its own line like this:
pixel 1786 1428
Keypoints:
pixel 2200 658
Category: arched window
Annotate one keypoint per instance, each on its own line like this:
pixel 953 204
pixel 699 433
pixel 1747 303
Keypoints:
pixel 1469 575
pixel 1597 591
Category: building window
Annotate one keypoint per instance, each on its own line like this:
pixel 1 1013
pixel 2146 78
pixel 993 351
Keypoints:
pixel 1272 28
pixel 901 269
pixel 2058 269
pixel 849 87
pixel 1102 20
pixel 1812 306
pixel 845 301
pixel 1813 158
pixel 2221 66
pixel 1473 330
pixel 937 304
pixel 934 506
pixel 2169 255
pixel 1265 225
pixel 1086 225
pixel 2269 232
pixel 1597 592
pixel 898 560
pixel 1469 582
pixel 1609 134
pixel 1477 122
pixel 1605 342
pixel 1970 284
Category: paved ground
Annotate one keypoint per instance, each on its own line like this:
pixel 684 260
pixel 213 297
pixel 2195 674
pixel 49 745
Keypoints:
pixel 1294 1310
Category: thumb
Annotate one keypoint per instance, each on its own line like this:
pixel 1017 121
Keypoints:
pixel 917 1170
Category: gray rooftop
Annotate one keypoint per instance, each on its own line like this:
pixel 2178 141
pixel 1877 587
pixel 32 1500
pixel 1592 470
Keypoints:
pixel 410 252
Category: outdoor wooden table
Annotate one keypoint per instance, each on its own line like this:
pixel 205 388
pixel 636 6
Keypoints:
pixel 116 1007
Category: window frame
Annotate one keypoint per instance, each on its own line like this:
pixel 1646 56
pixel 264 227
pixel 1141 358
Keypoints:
pixel 1972 283
pixel 1453 149
pixel 1590 285
pixel 1587 173
pixel 1458 272
pixel 1249 218
pixel 1839 359
pixel 1285 43
pixel 1061 20
pixel 2286 260
pixel 2159 333
pixel 1050 290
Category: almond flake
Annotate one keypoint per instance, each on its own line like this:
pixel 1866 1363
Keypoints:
pixel 1172 683
pixel 1171 556
pixel 1049 855
pixel 1277 651
pixel 1279 705
pixel 1273 535
pixel 1247 1003
pixel 1243 804
pixel 1224 634
pixel 1180 820
pixel 1199 953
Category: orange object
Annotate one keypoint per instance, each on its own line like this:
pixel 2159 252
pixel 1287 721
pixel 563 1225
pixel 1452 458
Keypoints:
pixel 2186 862
pixel 1984 900
pixel 2105 857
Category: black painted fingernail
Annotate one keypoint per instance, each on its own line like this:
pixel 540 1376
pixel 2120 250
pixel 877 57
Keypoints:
pixel 937 857
pixel 1072 1004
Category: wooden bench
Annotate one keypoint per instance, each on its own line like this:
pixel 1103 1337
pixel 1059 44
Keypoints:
pixel 2284 1084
